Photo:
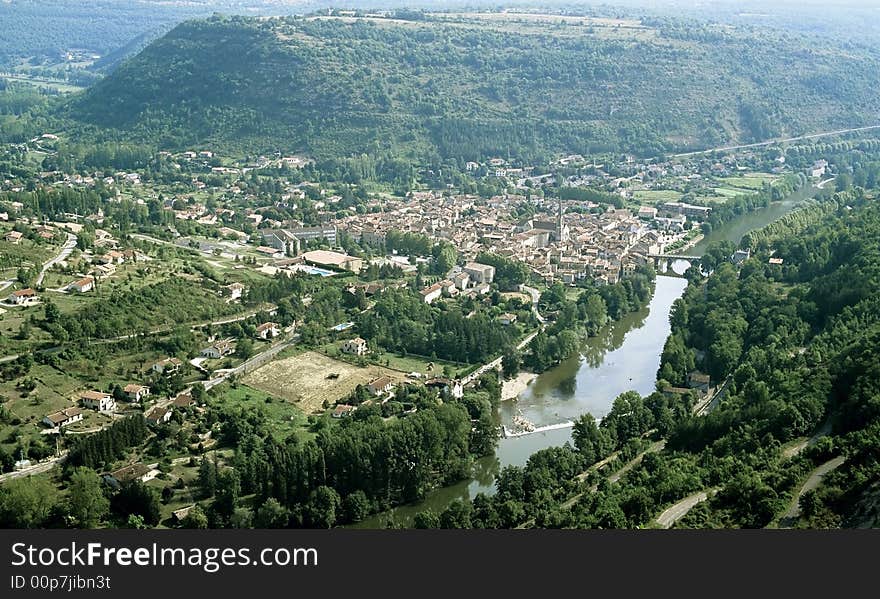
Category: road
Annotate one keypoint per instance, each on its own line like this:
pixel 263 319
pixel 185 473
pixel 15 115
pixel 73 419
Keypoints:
pixel 35 469
pixel 616 476
pixel 654 447
pixel 813 481
pixel 777 140
pixel 66 250
pixel 679 510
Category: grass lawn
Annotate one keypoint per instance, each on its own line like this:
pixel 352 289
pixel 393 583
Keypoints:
pixel 649 197
pixel 417 364
pixel 751 181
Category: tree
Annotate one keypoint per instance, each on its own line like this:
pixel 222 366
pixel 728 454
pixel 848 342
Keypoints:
pixel 271 515
pixel 590 441
pixel 456 515
pixel 244 348
pixel 86 500
pixel 195 518
pixel 356 506
pixel 26 502
pixel 207 478
pixel 511 362
pixel 137 498
pixel 242 517
pixel 426 519
pixel 322 507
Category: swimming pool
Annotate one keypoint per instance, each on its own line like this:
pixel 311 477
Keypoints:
pixel 313 270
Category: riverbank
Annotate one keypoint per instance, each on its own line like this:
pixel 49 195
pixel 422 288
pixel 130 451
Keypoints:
pixel 511 388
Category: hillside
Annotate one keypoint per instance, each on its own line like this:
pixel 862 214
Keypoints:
pixel 471 86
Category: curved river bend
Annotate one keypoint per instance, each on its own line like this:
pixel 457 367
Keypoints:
pixel 624 356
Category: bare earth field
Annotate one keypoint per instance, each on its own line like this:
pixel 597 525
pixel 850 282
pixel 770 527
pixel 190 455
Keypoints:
pixel 302 379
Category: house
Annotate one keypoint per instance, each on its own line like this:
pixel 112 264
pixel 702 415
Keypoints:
pixel 507 318
pixel 218 350
pixel 268 330
pixel 482 288
pixel 429 294
pixel 167 366
pixel 158 415
pixel 333 260
pixel 84 285
pixel 356 346
pixel 98 400
pixel 129 473
pixel 182 513
pixel 136 392
pixel 453 387
pixel 480 273
pixel 381 385
pixel 647 212
pixel 183 401
pixel 14 237
pixel 740 256
pixel 343 411
pixel 448 287
pixel 461 280
pixel 775 261
pixel 235 290
pixel 698 380
pixel 23 297
pixel 63 417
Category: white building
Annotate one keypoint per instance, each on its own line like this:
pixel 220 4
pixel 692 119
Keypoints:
pixel 356 346
pixel 97 400
pixel 83 285
pixel 480 273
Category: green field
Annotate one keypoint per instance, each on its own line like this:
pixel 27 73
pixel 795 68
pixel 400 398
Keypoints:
pixel 751 181
pixel 649 197
pixel 285 419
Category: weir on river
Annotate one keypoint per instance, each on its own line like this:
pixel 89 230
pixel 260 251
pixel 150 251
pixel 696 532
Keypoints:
pixel 624 356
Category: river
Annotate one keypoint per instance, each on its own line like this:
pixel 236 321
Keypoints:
pixel 624 356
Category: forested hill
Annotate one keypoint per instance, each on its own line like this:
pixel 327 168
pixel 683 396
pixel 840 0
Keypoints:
pixel 474 87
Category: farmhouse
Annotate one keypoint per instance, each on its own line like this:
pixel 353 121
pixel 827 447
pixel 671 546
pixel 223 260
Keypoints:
pixel 128 473
pixel 381 385
pixel 158 415
pixel 235 290
pixel 356 346
pixel 343 411
pixel 97 400
pixel 83 285
pixel 167 366
pixel 14 237
pixel 23 297
pixel 507 318
pixel 63 417
pixel 219 349
pixel 136 392
pixel 429 294
pixel 268 330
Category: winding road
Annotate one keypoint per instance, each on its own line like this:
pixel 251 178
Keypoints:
pixel 792 514
pixel 679 510
pixel 66 250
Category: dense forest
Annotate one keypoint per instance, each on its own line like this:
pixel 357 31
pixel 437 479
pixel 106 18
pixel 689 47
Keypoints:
pixel 472 90
pixel 796 344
